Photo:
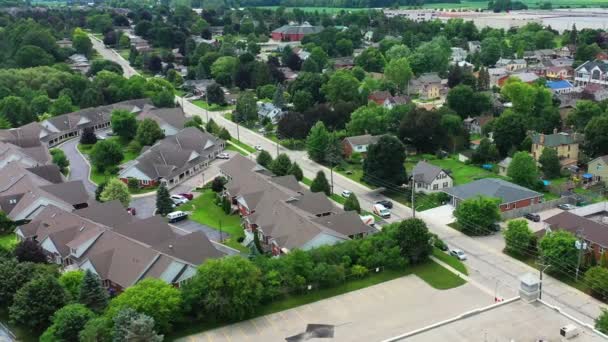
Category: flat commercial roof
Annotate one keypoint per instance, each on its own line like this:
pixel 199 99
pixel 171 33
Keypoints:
pixel 515 321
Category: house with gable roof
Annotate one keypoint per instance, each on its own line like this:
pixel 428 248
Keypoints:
pixel 592 72
pixel 429 178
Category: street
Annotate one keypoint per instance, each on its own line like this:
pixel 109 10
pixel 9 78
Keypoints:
pixel 488 265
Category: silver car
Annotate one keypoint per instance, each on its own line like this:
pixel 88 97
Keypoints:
pixel 458 253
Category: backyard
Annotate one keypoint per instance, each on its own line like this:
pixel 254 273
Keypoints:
pixel 204 210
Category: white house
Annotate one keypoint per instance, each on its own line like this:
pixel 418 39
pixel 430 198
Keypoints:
pixel 592 72
pixel 429 178
pixel 267 110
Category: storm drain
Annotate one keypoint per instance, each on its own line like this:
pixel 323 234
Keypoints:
pixel 313 331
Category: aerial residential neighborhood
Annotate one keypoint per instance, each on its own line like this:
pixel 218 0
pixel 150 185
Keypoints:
pixel 276 171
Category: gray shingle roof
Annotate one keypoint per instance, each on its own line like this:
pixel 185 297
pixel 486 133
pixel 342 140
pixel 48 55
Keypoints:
pixel 366 139
pixel 298 29
pixel 592 231
pixel 554 140
pixel 425 172
pixel 492 187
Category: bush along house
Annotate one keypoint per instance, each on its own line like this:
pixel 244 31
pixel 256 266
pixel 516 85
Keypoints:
pixel 283 213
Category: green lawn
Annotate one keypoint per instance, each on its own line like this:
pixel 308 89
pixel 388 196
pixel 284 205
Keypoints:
pixel 437 276
pixel 463 173
pixel 232 148
pixel 450 260
pixel 307 181
pixel 212 107
pixel 99 177
pixel 242 145
pixel 8 241
pixel 205 211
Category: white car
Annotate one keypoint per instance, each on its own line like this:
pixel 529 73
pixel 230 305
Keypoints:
pixel 223 155
pixel 258 147
pixel 179 199
pixel 346 193
pixel 458 254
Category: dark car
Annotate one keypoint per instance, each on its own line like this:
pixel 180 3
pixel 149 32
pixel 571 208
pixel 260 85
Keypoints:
pixel 132 211
pixel 386 203
pixel 495 227
pixel 188 196
pixel 532 217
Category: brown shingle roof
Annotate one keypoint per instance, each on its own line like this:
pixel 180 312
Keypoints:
pixel 591 230
pixel 110 213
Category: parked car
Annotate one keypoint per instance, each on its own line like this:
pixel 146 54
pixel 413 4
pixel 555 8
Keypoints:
pixel 258 147
pixel 495 227
pixel 381 211
pixel 132 211
pixel 346 193
pixel 177 216
pixel 223 155
pixel 100 137
pixel 566 206
pixel 459 254
pixel 386 203
pixel 179 199
pixel 532 217
pixel 188 196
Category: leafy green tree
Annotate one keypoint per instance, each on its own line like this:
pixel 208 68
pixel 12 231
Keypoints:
pixel 558 249
pixel 601 323
pixel 266 91
pixel 246 108
pixel 490 51
pixel 342 86
pixel 597 279
pixel 123 123
pixel 399 72
pixel 106 154
pixel 72 282
pixel 228 289
pixel 485 152
pixel 476 215
pixel 40 104
pixel 116 190
pixel 264 159
pixel 523 170
pixel 466 102
pixel 509 131
pixel 352 203
pixel 423 129
pixel 371 119
pixel 164 204
pixel 215 94
pixel 92 294
pixel 302 100
pixel 141 329
pixel 81 42
pixel 6 225
pixel 29 56
pixel 164 99
pixel 317 142
pixel 96 330
pixel 344 47
pixel 16 111
pixel 59 159
pixel 519 238
pixel 195 122
pixel 61 106
pixel 431 56
pixel 14 274
pixel 148 132
pixel 296 171
pixel 99 190
pixel 67 323
pixel 584 111
pixel 413 238
pixel 596 136
pixel 549 163
pixel 371 60
pixel 152 297
pixel 278 99
pixel 35 302
pixel 320 184
pixel 281 165
pixel 29 251
pixel 397 51
pixel 384 163
pixel 223 70
pixel 212 127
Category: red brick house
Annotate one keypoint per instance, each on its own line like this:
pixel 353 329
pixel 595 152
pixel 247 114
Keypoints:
pixel 594 233
pixel 294 33
pixel 512 196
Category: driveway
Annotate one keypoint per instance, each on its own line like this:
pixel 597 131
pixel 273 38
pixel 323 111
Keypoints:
pixel 193 226
pixel 442 214
pixel 79 168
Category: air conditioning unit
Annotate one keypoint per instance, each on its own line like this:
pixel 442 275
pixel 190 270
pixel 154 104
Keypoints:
pixel 569 331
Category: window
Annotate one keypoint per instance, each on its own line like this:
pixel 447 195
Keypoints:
pixel 595 74
pixel 445 184
pixel 435 186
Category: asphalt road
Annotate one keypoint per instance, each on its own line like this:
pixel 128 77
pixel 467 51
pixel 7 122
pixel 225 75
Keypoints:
pixel 490 267
pixel 79 169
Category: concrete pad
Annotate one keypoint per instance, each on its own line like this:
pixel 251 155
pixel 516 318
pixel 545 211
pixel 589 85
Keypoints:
pixel 441 214
pixel 369 314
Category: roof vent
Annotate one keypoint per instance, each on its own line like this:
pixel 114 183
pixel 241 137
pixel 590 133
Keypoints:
pixel 170 246
pixel 81 229
pixel 291 199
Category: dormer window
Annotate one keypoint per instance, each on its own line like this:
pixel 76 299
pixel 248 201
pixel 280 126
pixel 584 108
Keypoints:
pixel 73 251
pixel 12 201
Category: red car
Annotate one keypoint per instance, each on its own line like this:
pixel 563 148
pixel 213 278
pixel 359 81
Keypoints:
pixel 188 196
pixel 132 211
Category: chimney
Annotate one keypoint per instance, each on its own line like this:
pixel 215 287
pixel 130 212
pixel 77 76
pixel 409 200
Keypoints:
pixel 542 138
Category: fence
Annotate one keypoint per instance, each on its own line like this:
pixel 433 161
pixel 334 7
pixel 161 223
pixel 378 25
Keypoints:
pixel 511 214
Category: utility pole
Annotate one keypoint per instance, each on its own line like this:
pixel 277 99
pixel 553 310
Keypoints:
pixel 413 197
pixel 277 148
pixel 541 269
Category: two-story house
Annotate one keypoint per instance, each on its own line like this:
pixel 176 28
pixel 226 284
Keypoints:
pixel 598 167
pixel 592 72
pixel 429 178
pixel 428 86
pixel 566 145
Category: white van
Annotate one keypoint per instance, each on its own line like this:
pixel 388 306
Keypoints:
pixel 381 211
pixel 177 216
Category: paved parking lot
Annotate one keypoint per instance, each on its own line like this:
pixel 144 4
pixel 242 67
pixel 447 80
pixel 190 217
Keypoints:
pixel 369 314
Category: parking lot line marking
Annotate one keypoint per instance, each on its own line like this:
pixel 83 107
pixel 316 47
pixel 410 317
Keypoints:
pixel 255 326
pixel 271 324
